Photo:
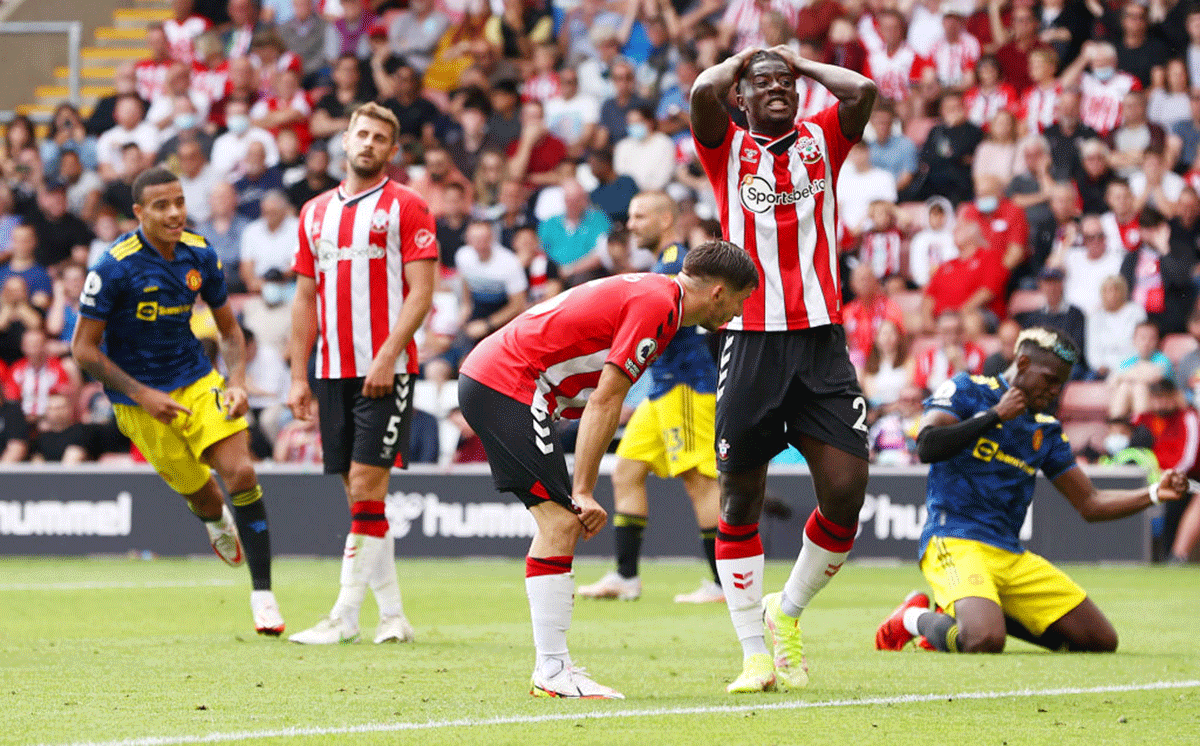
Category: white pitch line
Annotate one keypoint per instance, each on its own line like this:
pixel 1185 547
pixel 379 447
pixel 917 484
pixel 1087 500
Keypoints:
pixel 105 585
pixel 621 714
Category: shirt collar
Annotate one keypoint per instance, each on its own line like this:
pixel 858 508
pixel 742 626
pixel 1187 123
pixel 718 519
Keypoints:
pixel 778 145
pixel 350 199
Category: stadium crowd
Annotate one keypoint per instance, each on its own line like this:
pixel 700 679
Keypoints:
pixel 1028 163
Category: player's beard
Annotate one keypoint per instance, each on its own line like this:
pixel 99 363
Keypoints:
pixel 363 172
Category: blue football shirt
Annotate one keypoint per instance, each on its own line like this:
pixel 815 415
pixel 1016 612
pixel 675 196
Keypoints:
pixel 686 359
pixel 983 491
pixel 146 303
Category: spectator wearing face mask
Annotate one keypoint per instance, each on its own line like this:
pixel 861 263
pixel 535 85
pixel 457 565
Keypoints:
pixel 269 314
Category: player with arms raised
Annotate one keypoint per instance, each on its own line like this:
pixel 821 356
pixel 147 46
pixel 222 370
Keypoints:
pixel 985 439
pixel 785 375
pixel 167 398
pixel 575 356
pixel 365 269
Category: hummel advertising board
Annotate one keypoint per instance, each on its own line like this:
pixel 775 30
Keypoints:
pixel 435 513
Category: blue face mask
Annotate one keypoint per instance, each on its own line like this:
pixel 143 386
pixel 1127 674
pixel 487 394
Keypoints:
pixel 274 293
pixel 184 121
pixel 987 204
pixel 1104 74
pixel 638 131
pixel 238 123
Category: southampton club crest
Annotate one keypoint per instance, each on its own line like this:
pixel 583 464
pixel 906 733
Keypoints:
pixel 379 220
pixel 809 150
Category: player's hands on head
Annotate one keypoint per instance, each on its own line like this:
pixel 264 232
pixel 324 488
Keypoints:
pixel 1172 485
pixel 235 402
pixel 160 405
pixel 1012 404
pixel 591 515
pixel 788 54
pixel 300 400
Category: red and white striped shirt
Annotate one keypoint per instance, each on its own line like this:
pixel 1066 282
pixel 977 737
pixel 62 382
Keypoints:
pixel 37 384
pixel 953 60
pixel 551 356
pixel 1100 103
pixel 541 88
pixel 776 200
pixel 982 106
pixel 151 78
pixel 181 36
pixel 1037 106
pixel 881 251
pixel 212 82
pixel 745 16
pixel 356 246
pixel 895 73
pixel 814 98
pixel 934 368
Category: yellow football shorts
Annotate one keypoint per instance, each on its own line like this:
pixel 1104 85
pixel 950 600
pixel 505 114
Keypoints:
pixel 1025 585
pixel 176 451
pixel 673 433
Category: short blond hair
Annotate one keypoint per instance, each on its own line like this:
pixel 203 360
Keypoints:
pixel 375 111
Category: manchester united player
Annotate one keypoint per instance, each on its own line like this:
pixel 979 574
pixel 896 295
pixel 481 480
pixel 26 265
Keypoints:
pixel 576 356
pixel 365 271
pixel 785 374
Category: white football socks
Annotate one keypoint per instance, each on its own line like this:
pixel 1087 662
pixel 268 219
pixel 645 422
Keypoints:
pixel 742 579
pixel 360 561
pixel 551 602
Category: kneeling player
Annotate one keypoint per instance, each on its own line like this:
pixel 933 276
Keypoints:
pixel 576 355
pixel 986 438
pixel 167 398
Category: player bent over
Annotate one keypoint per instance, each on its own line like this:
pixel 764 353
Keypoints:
pixel 670 433
pixel 575 356
pixel 167 398
pixel 985 439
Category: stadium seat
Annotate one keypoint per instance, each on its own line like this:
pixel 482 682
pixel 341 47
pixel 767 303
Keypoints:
pixel 1083 433
pixel 1084 400
pixel 1175 346
pixel 1023 301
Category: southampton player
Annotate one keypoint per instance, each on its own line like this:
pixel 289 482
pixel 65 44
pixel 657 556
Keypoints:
pixel 365 269
pixel 785 374
pixel 670 433
pixel 167 398
pixel 575 356
pixel 986 438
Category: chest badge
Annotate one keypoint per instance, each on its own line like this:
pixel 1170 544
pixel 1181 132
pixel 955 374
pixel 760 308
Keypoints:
pixel 810 151
pixel 1037 439
pixel 193 280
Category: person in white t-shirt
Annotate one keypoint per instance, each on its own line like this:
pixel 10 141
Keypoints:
pixel 1087 263
pixel 197 179
pixel 1110 326
pixel 229 150
pixel 493 283
pixel 269 242
pixel 860 184
pixel 645 155
pixel 130 129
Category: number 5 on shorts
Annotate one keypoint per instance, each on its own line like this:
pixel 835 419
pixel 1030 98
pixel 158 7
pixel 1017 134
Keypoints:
pixel 393 431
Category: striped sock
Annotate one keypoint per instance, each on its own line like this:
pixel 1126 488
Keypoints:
pixel 740 563
pixel 825 548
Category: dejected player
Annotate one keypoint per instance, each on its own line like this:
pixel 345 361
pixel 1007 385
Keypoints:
pixel 670 432
pixel 365 269
pixel 167 398
pixel 986 438
pixel 785 375
pixel 576 356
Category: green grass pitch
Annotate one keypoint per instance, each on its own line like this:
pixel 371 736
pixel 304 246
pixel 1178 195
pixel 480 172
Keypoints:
pixel 163 652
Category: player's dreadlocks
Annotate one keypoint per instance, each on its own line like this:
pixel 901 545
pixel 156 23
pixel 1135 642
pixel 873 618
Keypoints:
pixel 1048 339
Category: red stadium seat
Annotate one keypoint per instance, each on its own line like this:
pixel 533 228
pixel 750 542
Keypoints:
pixel 1025 300
pixel 1175 346
pixel 1084 400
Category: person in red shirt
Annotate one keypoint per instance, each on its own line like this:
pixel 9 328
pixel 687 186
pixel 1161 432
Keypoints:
pixel 1174 426
pixel 785 376
pixel 976 279
pixel 863 315
pixel 365 269
pixel 535 157
pixel 1003 223
pixel 575 356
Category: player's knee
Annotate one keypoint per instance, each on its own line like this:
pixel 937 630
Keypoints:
pixel 741 499
pixel 240 476
pixel 985 640
pixel 1101 641
pixel 367 484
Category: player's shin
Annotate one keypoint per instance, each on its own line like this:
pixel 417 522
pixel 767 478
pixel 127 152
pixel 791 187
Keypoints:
pixel 250 514
pixel 550 586
pixel 826 546
pixel 708 543
pixel 740 564
pixel 360 560
pixel 627 535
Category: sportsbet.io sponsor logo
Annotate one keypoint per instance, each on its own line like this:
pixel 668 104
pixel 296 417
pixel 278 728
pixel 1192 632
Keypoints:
pixel 758 196
pixel 67 518
pixel 492 520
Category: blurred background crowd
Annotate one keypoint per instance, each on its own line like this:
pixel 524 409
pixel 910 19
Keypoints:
pixel 1028 163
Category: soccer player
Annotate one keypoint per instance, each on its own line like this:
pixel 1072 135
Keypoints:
pixel 670 433
pixel 167 398
pixel 785 374
pixel 575 356
pixel 365 270
pixel 985 439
